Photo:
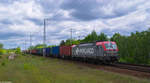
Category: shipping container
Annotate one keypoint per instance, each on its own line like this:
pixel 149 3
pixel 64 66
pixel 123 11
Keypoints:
pixel 33 51
pixel 55 51
pixel 66 51
pixel 48 51
pixel 39 51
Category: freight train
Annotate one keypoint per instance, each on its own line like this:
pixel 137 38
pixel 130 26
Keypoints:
pixel 100 51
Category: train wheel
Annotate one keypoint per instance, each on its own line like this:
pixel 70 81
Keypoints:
pixel 96 62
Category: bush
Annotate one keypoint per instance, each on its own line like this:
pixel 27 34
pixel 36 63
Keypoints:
pixel 1 51
pixel 3 63
pixel 18 50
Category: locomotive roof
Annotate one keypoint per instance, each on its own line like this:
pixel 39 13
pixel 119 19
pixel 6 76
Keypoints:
pixel 85 44
pixel 95 43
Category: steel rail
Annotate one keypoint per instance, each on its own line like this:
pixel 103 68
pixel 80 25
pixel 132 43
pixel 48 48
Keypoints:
pixel 135 67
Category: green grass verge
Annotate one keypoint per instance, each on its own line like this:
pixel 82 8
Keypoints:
pixel 33 69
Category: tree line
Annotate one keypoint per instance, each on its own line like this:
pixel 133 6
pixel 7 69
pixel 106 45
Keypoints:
pixel 92 37
pixel 6 51
pixel 134 48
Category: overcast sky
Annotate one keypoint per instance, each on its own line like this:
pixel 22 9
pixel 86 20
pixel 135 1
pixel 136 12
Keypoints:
pixel 19 18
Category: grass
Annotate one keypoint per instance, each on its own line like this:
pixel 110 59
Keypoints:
pixel 33 69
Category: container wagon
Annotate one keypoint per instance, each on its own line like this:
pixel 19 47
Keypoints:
pixel 48 50
pixel 66 51
pixel 55 51
pixel 39 51
pixel 33 51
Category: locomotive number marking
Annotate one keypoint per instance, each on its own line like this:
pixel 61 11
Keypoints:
pixel 84 51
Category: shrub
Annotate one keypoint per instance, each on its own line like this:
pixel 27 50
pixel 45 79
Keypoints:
pixel 3 63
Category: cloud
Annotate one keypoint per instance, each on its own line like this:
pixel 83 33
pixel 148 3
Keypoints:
pixel 20 18
pixel 9 35
pixel 105 9
pixel 6 21
pixel 13 22
pixel 36 21
pixel 81 9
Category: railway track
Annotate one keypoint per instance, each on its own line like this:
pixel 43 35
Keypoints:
pixel 140 71
pixel 135 67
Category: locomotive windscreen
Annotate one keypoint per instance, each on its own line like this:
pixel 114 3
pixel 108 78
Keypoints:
pixel 110 46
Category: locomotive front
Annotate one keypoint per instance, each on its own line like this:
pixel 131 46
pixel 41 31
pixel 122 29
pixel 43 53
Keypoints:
pixel 110 51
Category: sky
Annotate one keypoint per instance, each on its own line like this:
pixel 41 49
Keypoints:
pixel 21 18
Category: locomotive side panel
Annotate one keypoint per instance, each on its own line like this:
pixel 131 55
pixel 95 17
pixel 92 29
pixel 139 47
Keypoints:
pixel 100 51
pixel 85 50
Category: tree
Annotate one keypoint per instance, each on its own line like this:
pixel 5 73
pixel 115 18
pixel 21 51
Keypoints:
pixel 134 48
pixel 90 38
pixel 1 45
pixel 1 51
pixel 94 36
pixel 51 46
pixel 18 50
pixel 115 37
pixel 40 46
pixel 62 43
pixel 75 42
pixel 68 42
pixel 37 46
pixel 102 37
pixel 1 48
pixel 31 47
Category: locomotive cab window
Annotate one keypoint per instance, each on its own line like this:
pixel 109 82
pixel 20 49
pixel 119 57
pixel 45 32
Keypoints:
pixel 110 46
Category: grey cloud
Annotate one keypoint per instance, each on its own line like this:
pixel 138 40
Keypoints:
pixel 81 9
pixel 35 21
pixel 6 22
pixel 8 35
pixel 87 10
pixel 126 30
pixel 7 1
pixel 48 5
pixel 60 17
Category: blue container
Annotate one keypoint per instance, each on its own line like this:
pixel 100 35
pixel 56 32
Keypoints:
pixel 48 51
pixel 55 51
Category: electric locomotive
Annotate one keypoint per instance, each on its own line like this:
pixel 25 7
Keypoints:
pixel 105 51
